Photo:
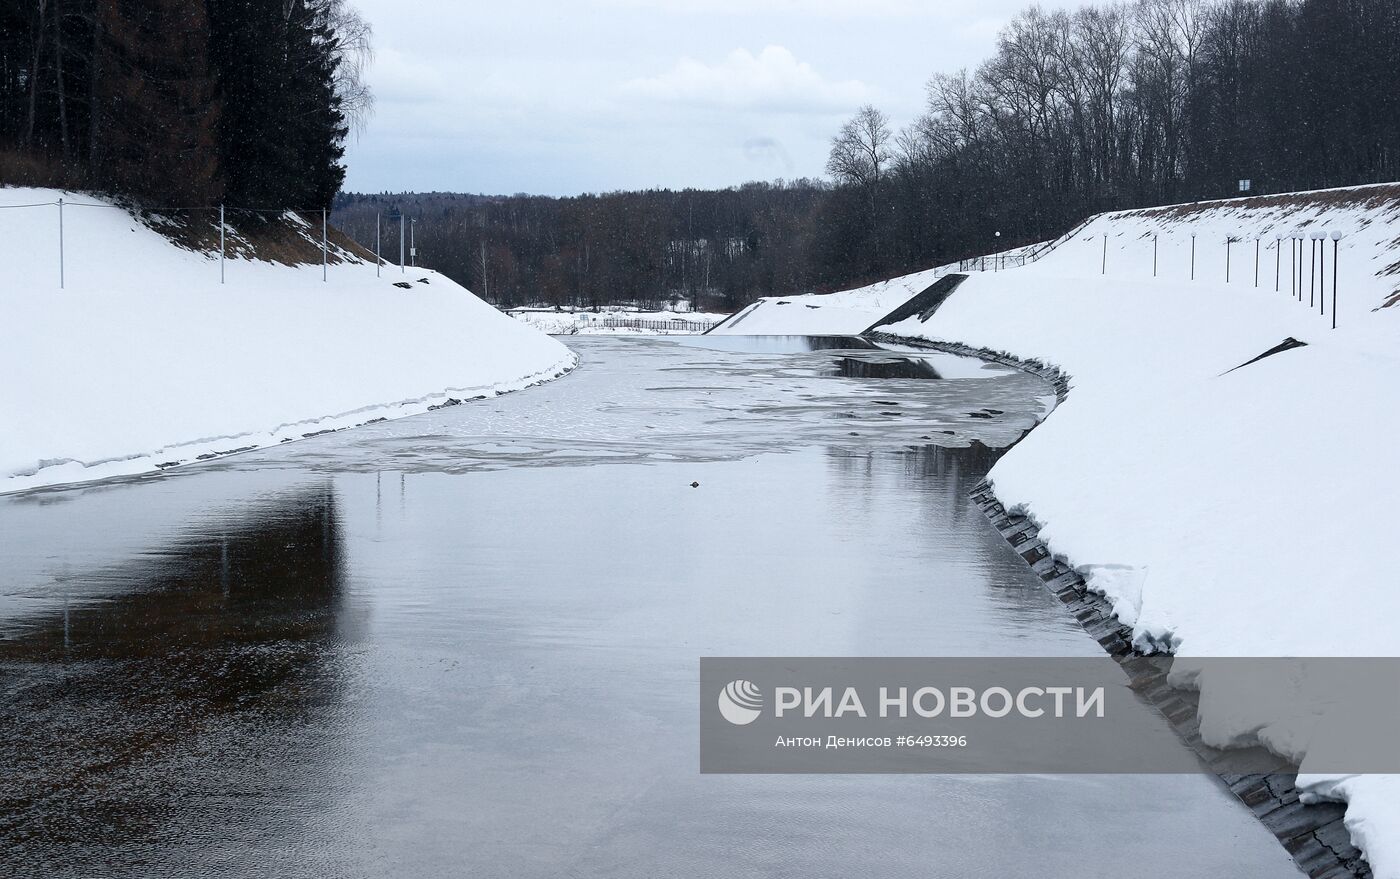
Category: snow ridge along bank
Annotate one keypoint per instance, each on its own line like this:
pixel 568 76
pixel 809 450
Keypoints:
pixel 1223 511
pixel 846 313
pixel 145 360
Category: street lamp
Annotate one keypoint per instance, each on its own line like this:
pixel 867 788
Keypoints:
pixel 996 252
pixel 1312 267
pixel 1322 272
pixel 1336 239
pixel 1298 264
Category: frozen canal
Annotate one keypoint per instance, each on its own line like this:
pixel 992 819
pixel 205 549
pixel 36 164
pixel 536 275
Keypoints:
pixel 467 643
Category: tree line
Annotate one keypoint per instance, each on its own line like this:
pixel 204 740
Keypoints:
pixel 182 102
pixel 714 248
pixel 1106 107
pixel 1123 105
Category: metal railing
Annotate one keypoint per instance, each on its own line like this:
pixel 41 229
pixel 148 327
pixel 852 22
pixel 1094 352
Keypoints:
pixel 216 218
pixel 681 326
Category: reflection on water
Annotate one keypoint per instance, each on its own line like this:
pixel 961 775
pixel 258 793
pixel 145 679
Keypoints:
pixel 442 646
pixel 775 344
pixel 885 367
pixel 123 715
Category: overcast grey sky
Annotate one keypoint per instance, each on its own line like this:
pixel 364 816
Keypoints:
pixel 560 97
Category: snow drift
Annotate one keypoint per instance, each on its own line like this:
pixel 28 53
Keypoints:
pixel 1225 509
pixel 145 360
pixel 846 313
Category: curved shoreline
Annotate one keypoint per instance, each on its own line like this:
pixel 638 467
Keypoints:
pixel 1315 835
pixel 206 449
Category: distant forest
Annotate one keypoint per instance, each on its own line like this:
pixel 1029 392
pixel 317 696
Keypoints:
pixel 182 102
pixel 1101 108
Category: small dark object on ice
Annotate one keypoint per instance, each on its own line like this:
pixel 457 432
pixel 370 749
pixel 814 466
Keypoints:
pixel 978 415
pixel 694 485
pixel 403 284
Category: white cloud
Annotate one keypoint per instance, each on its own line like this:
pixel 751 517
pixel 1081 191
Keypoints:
pixel 773 80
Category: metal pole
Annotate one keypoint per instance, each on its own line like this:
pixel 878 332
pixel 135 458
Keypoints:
pixel 1312 273
pixel 1256 262
pixel 1229 239
pixel 1104 269
pixel 1335 242
pixel 413 241
pixel 325 254
pixel 1278 261
pixel 1322 271
pixel 401 262
pixel 1300 270
pixel 221 244
pixel 378 262
pixel 1154 254
pixel 1293 267
pixel 1193 256
pixel 62 282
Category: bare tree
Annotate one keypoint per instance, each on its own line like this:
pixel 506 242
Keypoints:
pixel 860 152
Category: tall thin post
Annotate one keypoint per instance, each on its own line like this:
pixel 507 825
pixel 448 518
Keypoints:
pixel 402 268
pixel 413 241
pixel 1193 256
pixel 1278 261
pixel 1322 272
pixel 62 282
pixel 1256 262
pixel 1312 272
pixel 1229 239
pixel 378 262
pixel 1154 254
pixel 221 244
pixel 325 251
pixel 1335 242
pixel 1104 269
pixel 1293 266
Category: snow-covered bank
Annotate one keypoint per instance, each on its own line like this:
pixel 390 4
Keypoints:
pixel 616 321
pixel 144 359
pixel 1224 511
pixel 846 313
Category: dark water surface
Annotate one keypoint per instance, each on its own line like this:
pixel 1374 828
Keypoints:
pixel 442 646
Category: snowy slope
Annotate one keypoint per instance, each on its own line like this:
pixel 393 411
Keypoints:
pixel 1224 512
pixel 830 314
pixel 145 359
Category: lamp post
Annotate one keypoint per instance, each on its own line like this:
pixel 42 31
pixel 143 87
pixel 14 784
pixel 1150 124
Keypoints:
pixel 1312 269
pixel 1256 262
pixel 1103 270
pixel 1193 256
pixel 1322 272
pixel 996 251
pixel 1278 260
pixel 1229 239
pixel 1336 239
pixel 1154 254
pixel 1298 264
